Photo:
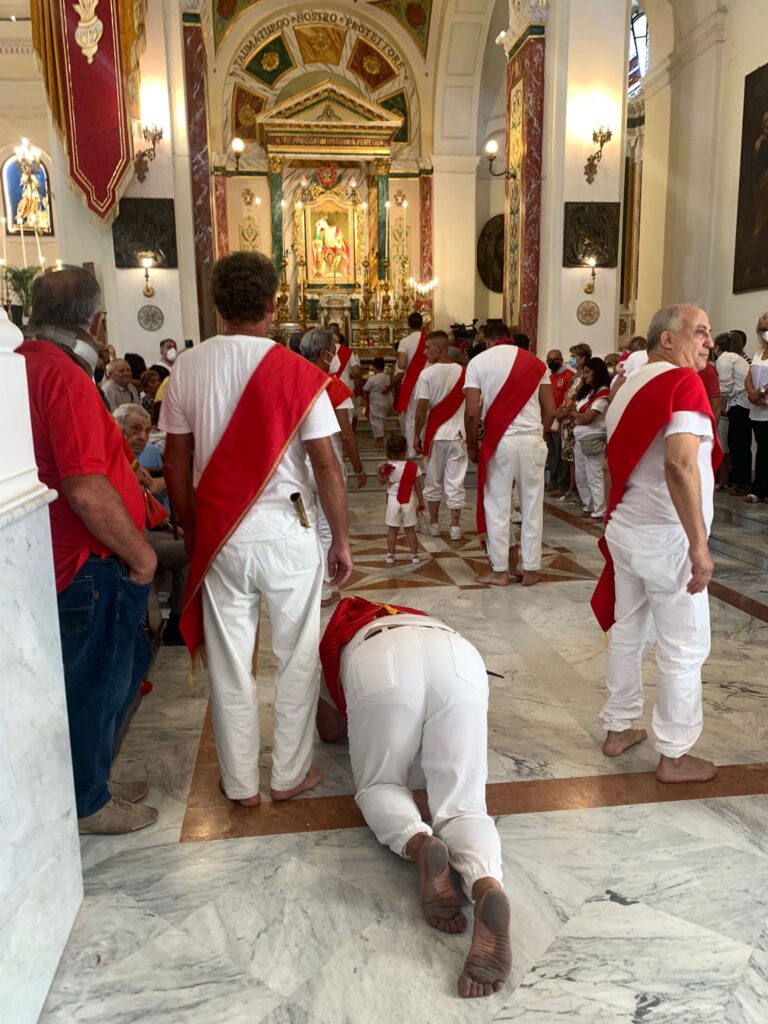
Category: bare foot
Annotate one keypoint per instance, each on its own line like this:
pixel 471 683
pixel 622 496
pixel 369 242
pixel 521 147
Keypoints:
pixel 487 966
pixel 514 554
pixel 685 769
pixel 439 901
pixel 249 801
pixel 530 578
pixel 310 780
pixel 616 743
pixel 493 579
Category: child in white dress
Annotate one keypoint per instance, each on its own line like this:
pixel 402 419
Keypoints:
pixel 377 390
pixel 402 510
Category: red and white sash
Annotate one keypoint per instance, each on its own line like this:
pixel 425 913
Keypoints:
pixel 343 354
pixel 600 393
pixel 276 401
pixel 352 613
pixel 338 391
pixel 416 365
pixel 407 480
pixel 519 387
pixel 649 410
pixel 443 411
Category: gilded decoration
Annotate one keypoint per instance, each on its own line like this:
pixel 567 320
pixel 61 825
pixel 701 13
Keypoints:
pixel 246 106
pixel 270 61
pixel 89 28
pixel 329 232
pixel 225 14
pixel 397 103
pixel 413 15
pixel 371 65
pixel 319 44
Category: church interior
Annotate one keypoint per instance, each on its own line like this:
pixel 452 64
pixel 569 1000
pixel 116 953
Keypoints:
pixel 566 167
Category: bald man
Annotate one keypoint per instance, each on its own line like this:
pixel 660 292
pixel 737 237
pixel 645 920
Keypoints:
pixel 118 389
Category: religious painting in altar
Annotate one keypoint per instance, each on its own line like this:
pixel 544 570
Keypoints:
pixel 26 195
pixel 750 261
pixel 329 238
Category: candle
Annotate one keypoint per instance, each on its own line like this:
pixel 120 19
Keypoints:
pixel 40 257
pixel 2 228
pixel 23 243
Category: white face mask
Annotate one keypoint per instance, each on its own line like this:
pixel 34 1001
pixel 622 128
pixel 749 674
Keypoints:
pixel 764 335
pixel 170 355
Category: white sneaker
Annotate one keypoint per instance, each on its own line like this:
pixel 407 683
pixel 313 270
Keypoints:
pixel 415 560
pixel 434 529
pixel 390 559
pixel 455 533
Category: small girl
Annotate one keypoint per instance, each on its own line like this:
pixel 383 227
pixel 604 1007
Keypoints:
pixel 402 477
pixel 377 391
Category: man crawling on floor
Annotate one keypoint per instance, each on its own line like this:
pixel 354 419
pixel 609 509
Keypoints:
pixel 400 684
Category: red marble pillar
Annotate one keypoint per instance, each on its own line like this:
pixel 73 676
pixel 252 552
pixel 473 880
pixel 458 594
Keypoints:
pixel 525 112
pixel 197 136
pixel 425 235
pixel 220 204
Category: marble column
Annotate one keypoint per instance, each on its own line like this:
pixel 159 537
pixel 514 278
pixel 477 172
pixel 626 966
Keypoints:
pixel 525 115
pixel 426 231
pixel 275 178
pixel 220 208
pixel 41 884
pixel 382 195
pixel 197 134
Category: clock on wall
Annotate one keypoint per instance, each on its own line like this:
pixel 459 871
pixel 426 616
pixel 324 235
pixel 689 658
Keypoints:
pixel 150 317
pixel 587 312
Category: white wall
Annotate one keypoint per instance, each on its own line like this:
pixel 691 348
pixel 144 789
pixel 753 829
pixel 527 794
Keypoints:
pixel 454 216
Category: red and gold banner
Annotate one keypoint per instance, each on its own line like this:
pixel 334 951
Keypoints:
pixel 88 53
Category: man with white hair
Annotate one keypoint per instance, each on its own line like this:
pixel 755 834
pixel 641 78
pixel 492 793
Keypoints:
pixel 118 389
pixel 440 418
pixel 662 446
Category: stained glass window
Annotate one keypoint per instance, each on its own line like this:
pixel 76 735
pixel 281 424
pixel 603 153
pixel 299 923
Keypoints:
pixel 638 49
pixel 26 194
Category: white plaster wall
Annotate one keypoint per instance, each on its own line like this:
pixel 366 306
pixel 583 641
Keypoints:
pixel 454 213
pixel 489 201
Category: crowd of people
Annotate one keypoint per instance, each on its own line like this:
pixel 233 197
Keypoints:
pixel 223 469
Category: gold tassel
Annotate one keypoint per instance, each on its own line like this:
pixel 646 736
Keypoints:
pixel 199 663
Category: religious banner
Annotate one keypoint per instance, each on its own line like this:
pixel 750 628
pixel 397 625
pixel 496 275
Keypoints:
pixel 87 58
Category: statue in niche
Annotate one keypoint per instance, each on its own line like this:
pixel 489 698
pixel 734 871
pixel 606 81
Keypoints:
pixel 591 232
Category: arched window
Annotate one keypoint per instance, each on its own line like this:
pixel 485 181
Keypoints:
pixel 26 193
pixel 638 49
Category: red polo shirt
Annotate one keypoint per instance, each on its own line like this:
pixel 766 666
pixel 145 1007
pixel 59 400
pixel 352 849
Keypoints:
pixel 74 435
pixel 560 382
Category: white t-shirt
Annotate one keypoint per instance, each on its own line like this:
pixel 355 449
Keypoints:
pixel 597 426
pixel 731 371
pixel 489 371
pixel 759 370
pixel 397 475
pixel 374 387
pixel 646 502
pixel 346 375
pixel 408 346
pixel 203 393
pixel 435 383
pixel 634 361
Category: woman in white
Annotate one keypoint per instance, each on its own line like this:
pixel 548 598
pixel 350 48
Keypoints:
pixel 589 430
pixel 756 386
pixel 736 439
pixel 377 388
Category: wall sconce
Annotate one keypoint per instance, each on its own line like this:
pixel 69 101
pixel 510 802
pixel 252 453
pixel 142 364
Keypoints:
pixel 599 137
pixel 491 149
pixel 149 291
pixel 589 287
pixel 151 133
pixel 238 148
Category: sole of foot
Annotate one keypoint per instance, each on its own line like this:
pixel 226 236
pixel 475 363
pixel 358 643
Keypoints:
pixel 116 818
pixel 439 902
pixel 493 579
pixel 530 579
pixel 685 769
pixel 247 801
pixel 310 780
pixel 488 964
pixel 616 743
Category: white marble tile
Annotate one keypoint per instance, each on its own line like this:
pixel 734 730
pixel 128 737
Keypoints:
pixel 749 999
pixel 740 821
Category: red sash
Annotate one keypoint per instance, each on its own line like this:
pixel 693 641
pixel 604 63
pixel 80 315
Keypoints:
pixel 522 382
pixel 344 353
pixel 647 412
pixel 601 393
pixel 276 401
pixel 352 613
pixel 443 411
pixel 407 480
pixel 338 391
pixel 416 365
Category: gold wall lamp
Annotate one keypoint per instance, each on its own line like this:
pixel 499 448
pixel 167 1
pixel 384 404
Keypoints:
pixel 491 149
pixel 151 133
pixel 589 287
pixel 600 136
pixel 238 148
pixel 149 291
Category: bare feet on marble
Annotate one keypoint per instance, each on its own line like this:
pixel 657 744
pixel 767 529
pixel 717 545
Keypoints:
pixel 310 780
pixel 530 578
pixel 488 964
pixel 514 554
pixel 685 769
pixel 616 743
pixel 439 902
pixel 249 801
pixel 494 579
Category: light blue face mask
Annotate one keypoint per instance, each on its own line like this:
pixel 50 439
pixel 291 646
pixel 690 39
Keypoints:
pixel 573 361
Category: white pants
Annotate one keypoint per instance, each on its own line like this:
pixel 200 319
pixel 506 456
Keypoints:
pixel 519 458
pixel 288 573
pixel 445 471
pixel 322 525
pixel 652 570
pixel 408 425
pixel 590 479
pixel 377 416
pixel 414 689
pixel 401 515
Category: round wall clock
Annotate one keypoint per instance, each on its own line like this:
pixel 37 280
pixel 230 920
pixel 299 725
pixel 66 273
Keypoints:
pixel 587 312
pixel 150 317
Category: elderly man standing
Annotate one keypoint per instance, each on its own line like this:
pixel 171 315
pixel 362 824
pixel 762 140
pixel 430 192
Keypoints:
pixel 103 562
pixel 517 408
pixel 250 412
pixel 440 409
pixel 118 389
pixel 662 445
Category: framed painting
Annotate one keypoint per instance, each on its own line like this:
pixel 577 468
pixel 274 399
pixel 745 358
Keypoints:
pixel 750 260
pixel 329 233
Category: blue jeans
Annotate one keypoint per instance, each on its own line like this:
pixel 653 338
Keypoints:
pixel 106 654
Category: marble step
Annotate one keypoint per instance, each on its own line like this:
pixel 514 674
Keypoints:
pixel 733 540
pixel 752 518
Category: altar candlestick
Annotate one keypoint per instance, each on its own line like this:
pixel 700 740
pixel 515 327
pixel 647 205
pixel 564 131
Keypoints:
pixel 37 242
pixel 2 228
pixel 386 230
pixel 23 243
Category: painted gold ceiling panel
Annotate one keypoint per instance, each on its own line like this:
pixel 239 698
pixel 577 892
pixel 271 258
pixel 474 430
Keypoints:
pixel 371 65
pixel 246 106
pixel 320 44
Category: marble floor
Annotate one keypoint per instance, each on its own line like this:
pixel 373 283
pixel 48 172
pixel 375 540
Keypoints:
pixel 628 908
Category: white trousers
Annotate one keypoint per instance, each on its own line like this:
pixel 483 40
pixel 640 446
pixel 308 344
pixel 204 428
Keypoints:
pixel 322 525
pixel 445 471
pixel 411 690
pixel 377 416
pixel 408 425
pixel 652 570
pixel 590 479
pixel 519 458
pixel 288 573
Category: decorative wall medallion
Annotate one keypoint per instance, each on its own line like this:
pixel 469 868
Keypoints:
pixel 150 318
pixel 371 65
pixel 490 254
pixel 591 231
pixel 587 312
pixel 270 61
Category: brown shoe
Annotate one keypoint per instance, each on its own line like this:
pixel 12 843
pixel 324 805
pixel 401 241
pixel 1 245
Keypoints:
pixel 116 818
pixel 131 792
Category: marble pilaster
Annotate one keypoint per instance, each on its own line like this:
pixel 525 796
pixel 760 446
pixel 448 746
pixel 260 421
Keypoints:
pixel 382 193
pixel 426 266
pixel 220 206
pixel 275 177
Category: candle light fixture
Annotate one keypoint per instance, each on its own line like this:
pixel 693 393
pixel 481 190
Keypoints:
pixel 589 287
pixel 238 148
pixel 600 136
pixel 491 151
pixel 149 291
